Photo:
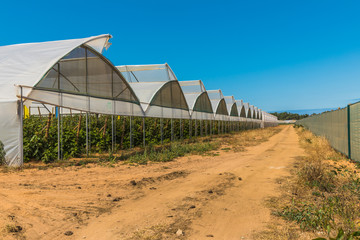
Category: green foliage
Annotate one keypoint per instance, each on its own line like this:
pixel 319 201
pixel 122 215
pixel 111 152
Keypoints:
pixel 41 134
pixel 289 116
pixel 174 150
pixel 2 153
pixel 341 235
pixel 310 216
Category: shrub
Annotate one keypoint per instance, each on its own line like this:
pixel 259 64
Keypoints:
pixel 2 153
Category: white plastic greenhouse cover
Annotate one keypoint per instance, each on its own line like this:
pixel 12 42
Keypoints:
pixel 241 110
pixel 247 110
pixel 147 73
pixel 219 105
pixel 158 90
pixel 256 113
pixel 197 99
pixel 26 65
pixel 232 108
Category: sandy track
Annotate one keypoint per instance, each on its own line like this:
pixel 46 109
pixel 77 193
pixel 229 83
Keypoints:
pixel 201 195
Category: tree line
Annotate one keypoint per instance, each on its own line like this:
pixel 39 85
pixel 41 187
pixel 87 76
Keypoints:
pixel 289 116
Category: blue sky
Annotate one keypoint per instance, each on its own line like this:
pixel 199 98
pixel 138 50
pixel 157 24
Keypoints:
pixel 278 55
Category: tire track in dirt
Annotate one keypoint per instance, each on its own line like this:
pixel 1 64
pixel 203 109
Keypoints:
pixel 201 195
pixel 235 213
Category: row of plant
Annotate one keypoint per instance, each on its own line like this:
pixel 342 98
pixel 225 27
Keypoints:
pixel 109 134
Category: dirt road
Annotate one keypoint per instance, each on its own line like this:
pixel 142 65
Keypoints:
pixel 206 197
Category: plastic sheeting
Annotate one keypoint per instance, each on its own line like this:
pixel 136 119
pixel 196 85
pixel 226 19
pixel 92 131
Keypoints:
pixel 10 131
pixel 73 74
pixel 219 105
pixel 26 64
pixel 53 73
pixel 197 99
pixel 158 90
pixel 232 108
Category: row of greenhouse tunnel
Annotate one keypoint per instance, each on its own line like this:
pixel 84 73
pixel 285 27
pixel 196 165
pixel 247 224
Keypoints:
pixel 67 93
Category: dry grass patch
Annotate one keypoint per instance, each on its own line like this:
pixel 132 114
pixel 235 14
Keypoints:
pixel 239 141
pixel 322 195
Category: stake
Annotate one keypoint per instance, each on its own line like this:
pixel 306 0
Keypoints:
pixel 62 132
pixel 21 142
pixel 112 133
pixel 195 128
pixel 144 132
pixel 181 130
pixel 172 130
pixel 87 134
pixel 162 130
pixel 190 128
pixel 218 127
pixel 131 140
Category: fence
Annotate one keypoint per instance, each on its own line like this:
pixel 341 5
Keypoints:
pixel 341 128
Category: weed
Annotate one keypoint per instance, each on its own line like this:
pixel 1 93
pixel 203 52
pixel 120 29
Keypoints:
pixel 324 191
pixel 2 153
pixel 11 228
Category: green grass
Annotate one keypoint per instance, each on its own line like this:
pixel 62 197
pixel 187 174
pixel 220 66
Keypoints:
pixel 173 151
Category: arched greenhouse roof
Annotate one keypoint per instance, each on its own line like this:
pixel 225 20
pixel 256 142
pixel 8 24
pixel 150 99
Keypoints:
pixel 198 100
pixel 252 112
pixel 232 108
pixel 256 113
pixel 247 110
pixel 68 73
pixel 158 90
pixel 147 73
pixel 26 64
pixel 241 108
pixel 219 105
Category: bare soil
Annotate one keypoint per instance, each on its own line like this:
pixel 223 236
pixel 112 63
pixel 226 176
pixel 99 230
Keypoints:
pixel 220 196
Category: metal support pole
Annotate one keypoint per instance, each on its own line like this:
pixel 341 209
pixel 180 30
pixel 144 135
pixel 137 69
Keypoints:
pixel 131 137
pixel 190 129
pixel 21 113
pixel 162 130
pixel 218 127
pixel 195 128
pixel 181 129
pixel 112 133
pixel 201 128
pixel 144 141
pixel 87 134
pixel 172 130
pixel 349 130
pixel 61 133
pixel 206 128
pixel 115 133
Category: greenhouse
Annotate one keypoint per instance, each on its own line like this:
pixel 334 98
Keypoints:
pixel 158 90
pixel 62 73
pixel 197 99
pixel 71 96
pixel 251 113
pixel 232 108
pixel 241 109
pixel 219 105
